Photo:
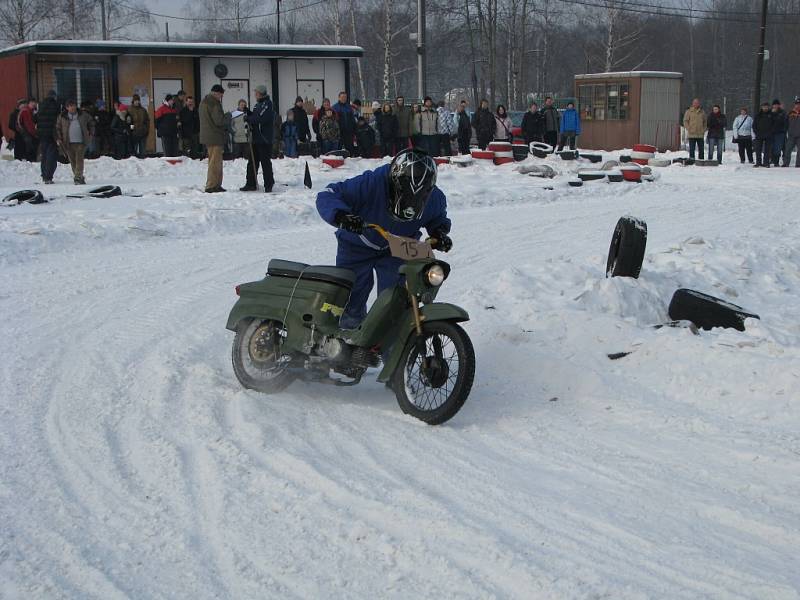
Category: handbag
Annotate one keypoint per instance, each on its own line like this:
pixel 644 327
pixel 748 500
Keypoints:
pixel 736 137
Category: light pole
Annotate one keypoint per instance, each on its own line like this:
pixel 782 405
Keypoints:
pixel 421 49
pixel 278 13
pixel 760 57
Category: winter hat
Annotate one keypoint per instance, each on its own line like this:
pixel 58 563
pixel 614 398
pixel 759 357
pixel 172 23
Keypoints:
pixel 261 89
pixel 376 105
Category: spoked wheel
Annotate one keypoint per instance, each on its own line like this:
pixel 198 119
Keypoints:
pixel 435 373
pixel 257 359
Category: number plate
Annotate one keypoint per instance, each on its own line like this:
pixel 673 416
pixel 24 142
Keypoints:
pixel 409 248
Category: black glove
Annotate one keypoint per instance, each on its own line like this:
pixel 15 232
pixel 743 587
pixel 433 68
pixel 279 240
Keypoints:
pixel 348 222
pixel 442 241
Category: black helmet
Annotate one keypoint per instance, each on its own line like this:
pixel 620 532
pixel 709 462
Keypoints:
pixel 412 176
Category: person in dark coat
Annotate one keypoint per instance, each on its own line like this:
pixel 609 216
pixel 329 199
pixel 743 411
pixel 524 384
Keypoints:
pixel 103 129
pixel 347 122
pixel 49 109
pixel 121 126
pixel 463 128
pixel 365 137
pixel 533 125
pixel 716 124
pixel 388 129
pixel 262 121
pixel 289 134
pixel 301 120
pixel 166 119
pixel 483 121
pixel 189 125
pixel 763 128
pixel 779 126
pixel 552 122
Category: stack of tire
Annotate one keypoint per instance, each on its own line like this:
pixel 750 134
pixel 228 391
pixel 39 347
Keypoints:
pixel 479 154
pixel 643 153
pixel 625 258
pixel 503 152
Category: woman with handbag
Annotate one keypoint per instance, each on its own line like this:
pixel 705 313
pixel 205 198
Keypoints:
pixel 743 135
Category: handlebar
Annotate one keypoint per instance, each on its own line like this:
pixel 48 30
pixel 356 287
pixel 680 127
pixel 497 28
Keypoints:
pixel 385 234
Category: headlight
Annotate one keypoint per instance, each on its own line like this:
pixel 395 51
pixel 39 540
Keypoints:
pixel 435 275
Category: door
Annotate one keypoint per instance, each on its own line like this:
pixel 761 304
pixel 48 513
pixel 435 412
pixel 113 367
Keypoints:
pixel 235 90
pixel 311 90
pixel 162 87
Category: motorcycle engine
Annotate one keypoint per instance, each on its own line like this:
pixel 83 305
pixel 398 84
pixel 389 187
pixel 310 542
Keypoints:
pixel 335 350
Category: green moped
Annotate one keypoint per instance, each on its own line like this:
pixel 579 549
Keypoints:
pixel 287 328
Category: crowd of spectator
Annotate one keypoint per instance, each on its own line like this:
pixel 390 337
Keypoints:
pixel 39 131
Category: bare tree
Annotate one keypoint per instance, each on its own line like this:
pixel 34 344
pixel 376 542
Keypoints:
pixel 22 20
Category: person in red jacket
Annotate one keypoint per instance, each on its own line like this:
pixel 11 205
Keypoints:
pixel 26 127
pixel 166 119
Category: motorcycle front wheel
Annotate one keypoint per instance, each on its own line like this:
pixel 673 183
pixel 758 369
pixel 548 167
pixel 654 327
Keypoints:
pixel 433 386
pixel 257 359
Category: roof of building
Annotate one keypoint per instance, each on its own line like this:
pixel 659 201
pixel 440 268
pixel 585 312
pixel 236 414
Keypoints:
pixel 117 47
pixel 631 74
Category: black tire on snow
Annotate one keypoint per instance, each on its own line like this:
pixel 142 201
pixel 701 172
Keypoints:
pixel 105 191
pixel 252 373
pixel 707 311
pixel 626 254
pixel 462 346
pixel 29 196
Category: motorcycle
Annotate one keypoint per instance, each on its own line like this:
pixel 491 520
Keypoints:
pixel 287 328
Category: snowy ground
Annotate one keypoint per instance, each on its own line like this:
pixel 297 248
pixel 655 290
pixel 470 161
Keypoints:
pixel 133 465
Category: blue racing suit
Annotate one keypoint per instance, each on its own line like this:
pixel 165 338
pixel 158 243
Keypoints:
pixel 366 195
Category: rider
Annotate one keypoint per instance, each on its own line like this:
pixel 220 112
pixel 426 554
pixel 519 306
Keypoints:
pixel 401 197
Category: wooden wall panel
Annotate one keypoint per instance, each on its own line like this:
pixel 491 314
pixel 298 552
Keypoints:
pixel 136 74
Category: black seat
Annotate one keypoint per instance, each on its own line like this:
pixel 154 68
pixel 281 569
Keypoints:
pixel 288 268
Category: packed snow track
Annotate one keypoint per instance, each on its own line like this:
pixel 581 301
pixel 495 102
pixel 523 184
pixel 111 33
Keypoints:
pixel 133 464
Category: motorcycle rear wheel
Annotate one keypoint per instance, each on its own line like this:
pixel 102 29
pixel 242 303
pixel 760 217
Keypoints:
pixel 256 357
pixel 435 388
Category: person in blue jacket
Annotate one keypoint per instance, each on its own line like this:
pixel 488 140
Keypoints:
pixel 260 121
pixel 401 197
pixel 570 127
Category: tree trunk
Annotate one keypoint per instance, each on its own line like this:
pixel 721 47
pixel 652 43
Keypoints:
pixel 355 43
pixel 337 24
pixel 387 46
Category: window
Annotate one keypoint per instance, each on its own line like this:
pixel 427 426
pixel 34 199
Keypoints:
pixel 67 83
pixel 600 102
pixel 79 84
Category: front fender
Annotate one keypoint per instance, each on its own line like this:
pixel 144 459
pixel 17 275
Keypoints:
pixel 438 311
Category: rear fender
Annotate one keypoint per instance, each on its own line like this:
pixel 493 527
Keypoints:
pixel 438 311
